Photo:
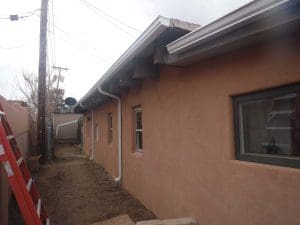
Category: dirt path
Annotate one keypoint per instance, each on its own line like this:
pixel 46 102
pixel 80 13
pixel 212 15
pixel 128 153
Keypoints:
pixel 77 191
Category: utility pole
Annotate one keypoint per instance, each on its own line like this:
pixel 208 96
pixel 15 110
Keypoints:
pixel 41 120
pixel 59 68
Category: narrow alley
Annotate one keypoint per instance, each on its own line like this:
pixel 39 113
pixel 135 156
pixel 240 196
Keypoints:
pixel 150 112
pixel 77 191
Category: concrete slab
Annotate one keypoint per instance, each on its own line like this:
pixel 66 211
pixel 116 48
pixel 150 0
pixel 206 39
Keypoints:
pixel 118 220
pixel 150 222
pixel 180 221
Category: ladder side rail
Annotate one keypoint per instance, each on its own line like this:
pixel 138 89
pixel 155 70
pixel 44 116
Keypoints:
pixel 16 188
pixel 23 167
pixel 18 183
pixel 16 150
pixel 36 195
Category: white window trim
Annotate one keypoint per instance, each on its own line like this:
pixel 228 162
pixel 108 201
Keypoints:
pixel 136 110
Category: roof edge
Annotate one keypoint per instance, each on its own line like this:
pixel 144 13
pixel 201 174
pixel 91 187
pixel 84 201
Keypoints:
pixel 235 17
pixel 154 29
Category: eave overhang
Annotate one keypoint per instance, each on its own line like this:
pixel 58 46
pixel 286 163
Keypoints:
pixel 256 21
pixel 161 30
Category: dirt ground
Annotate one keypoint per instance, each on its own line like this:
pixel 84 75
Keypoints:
pixel 77 191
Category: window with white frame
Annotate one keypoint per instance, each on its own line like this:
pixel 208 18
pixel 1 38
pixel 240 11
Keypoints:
pixel 138 129
pixel 267 125
pixel 110 129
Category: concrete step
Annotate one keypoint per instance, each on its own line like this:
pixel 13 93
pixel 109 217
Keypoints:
pixel 118 220
pixel 125 220
pixel 177 221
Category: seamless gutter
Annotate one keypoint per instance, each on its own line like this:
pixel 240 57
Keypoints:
pixel 235 19
pixel 159 25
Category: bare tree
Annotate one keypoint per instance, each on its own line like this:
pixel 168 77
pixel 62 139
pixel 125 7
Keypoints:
pixel 54 93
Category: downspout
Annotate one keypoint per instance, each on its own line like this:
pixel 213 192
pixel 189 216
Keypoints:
pixel 92 138
pixel 119 178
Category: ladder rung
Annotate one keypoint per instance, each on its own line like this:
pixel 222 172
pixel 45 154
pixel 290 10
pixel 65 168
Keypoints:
pixel 20 160
pixel 38 207
pixel 9 137
pixel 47 221
pixel 29 184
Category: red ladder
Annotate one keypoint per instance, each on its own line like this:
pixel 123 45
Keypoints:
pixel 19 178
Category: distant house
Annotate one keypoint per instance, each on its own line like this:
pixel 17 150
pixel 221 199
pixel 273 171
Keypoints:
pixel 206 123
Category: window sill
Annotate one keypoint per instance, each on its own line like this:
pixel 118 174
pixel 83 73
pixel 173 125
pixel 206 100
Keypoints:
pixel 138 154
pixel 270 160
pixel 239 164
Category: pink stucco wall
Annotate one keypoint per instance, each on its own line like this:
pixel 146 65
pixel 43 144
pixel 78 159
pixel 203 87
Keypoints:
pixel 188 165
pixel 20 122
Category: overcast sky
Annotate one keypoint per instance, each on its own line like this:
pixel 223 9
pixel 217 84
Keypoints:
pixel 86 40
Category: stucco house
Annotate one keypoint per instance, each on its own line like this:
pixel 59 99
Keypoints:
pixel 206 123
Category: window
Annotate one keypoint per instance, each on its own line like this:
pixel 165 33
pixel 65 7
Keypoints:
pixel 88 124
pixel 110 130
pixel 267 126
pixel 138 129
pixel 97 132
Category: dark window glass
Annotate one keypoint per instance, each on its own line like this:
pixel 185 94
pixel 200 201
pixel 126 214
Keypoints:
pixel 268 126
pixel 110 130
pixel 139 120
pixel 139 140
pixel 138 129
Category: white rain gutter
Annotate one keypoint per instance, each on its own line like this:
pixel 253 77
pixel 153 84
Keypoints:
pixel 151 33
pixel 158 26
pixel 119 178
pixel 63 124
pixel 92 138
pixel 236 18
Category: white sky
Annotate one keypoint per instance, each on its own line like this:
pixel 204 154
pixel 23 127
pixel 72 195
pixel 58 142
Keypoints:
pixel 85 42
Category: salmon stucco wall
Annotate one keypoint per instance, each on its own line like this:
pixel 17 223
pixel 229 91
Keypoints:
pixel 105 153
pixel 188 165
pixel 86 130
pixel 20 122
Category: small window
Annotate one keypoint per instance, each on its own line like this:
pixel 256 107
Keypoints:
pixel 138 129
pixel 110 130
pixel 267 126
pixel 88 125
pixel 97 132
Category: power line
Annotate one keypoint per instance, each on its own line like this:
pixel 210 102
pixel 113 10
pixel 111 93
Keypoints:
pixel 13 17
pixel 53 36
pixel 30 14
pixel 15 47
pixel 14 60
pixel 71 43
pixel 97 12
pixel 112 17
pixel 66 33
pixel 78 40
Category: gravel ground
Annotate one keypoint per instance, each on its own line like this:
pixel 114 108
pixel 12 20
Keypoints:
pixel 77 191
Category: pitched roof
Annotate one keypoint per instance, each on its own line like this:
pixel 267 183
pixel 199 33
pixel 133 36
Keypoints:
pixel 160 32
